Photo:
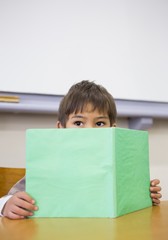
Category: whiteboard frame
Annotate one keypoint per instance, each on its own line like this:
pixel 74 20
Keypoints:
pixel 140 113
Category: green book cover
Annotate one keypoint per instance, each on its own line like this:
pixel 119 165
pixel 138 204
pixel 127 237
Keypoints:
pixel 87 172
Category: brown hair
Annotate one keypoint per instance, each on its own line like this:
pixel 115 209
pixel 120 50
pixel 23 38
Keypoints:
pixel 83 93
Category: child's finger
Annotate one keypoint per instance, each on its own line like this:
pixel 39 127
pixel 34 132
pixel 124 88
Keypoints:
pixel 25 196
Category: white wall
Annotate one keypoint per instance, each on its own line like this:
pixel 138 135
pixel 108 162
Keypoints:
pixel 12 142
pixel 48 45
pixel 158 143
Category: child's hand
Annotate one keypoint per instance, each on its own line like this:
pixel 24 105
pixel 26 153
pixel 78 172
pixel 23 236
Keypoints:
pixel 155 189
pixel 19 206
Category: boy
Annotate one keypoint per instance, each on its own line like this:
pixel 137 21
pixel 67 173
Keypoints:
pixel 86 105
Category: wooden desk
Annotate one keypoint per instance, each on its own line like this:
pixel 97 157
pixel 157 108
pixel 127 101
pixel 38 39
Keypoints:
pixel 148 224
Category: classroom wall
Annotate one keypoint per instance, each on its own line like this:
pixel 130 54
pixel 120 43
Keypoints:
pixel 116 43
pixel 12 142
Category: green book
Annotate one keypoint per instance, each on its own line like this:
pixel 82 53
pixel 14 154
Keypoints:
pixel 87 172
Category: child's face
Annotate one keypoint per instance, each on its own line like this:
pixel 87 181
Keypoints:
pixel 87 119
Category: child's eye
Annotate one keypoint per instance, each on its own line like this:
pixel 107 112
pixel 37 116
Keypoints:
pixel 78 123
pixel 100 124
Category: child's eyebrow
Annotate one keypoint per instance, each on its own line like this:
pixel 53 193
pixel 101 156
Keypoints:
pixel 99 117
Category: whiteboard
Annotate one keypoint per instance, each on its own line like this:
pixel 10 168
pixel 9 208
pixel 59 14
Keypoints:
pixel 48 45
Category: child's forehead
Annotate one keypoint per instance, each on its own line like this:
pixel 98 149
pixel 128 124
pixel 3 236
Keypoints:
pixel 90 108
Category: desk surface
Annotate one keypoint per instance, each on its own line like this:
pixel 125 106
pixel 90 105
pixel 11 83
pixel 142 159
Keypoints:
pixel 147 224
